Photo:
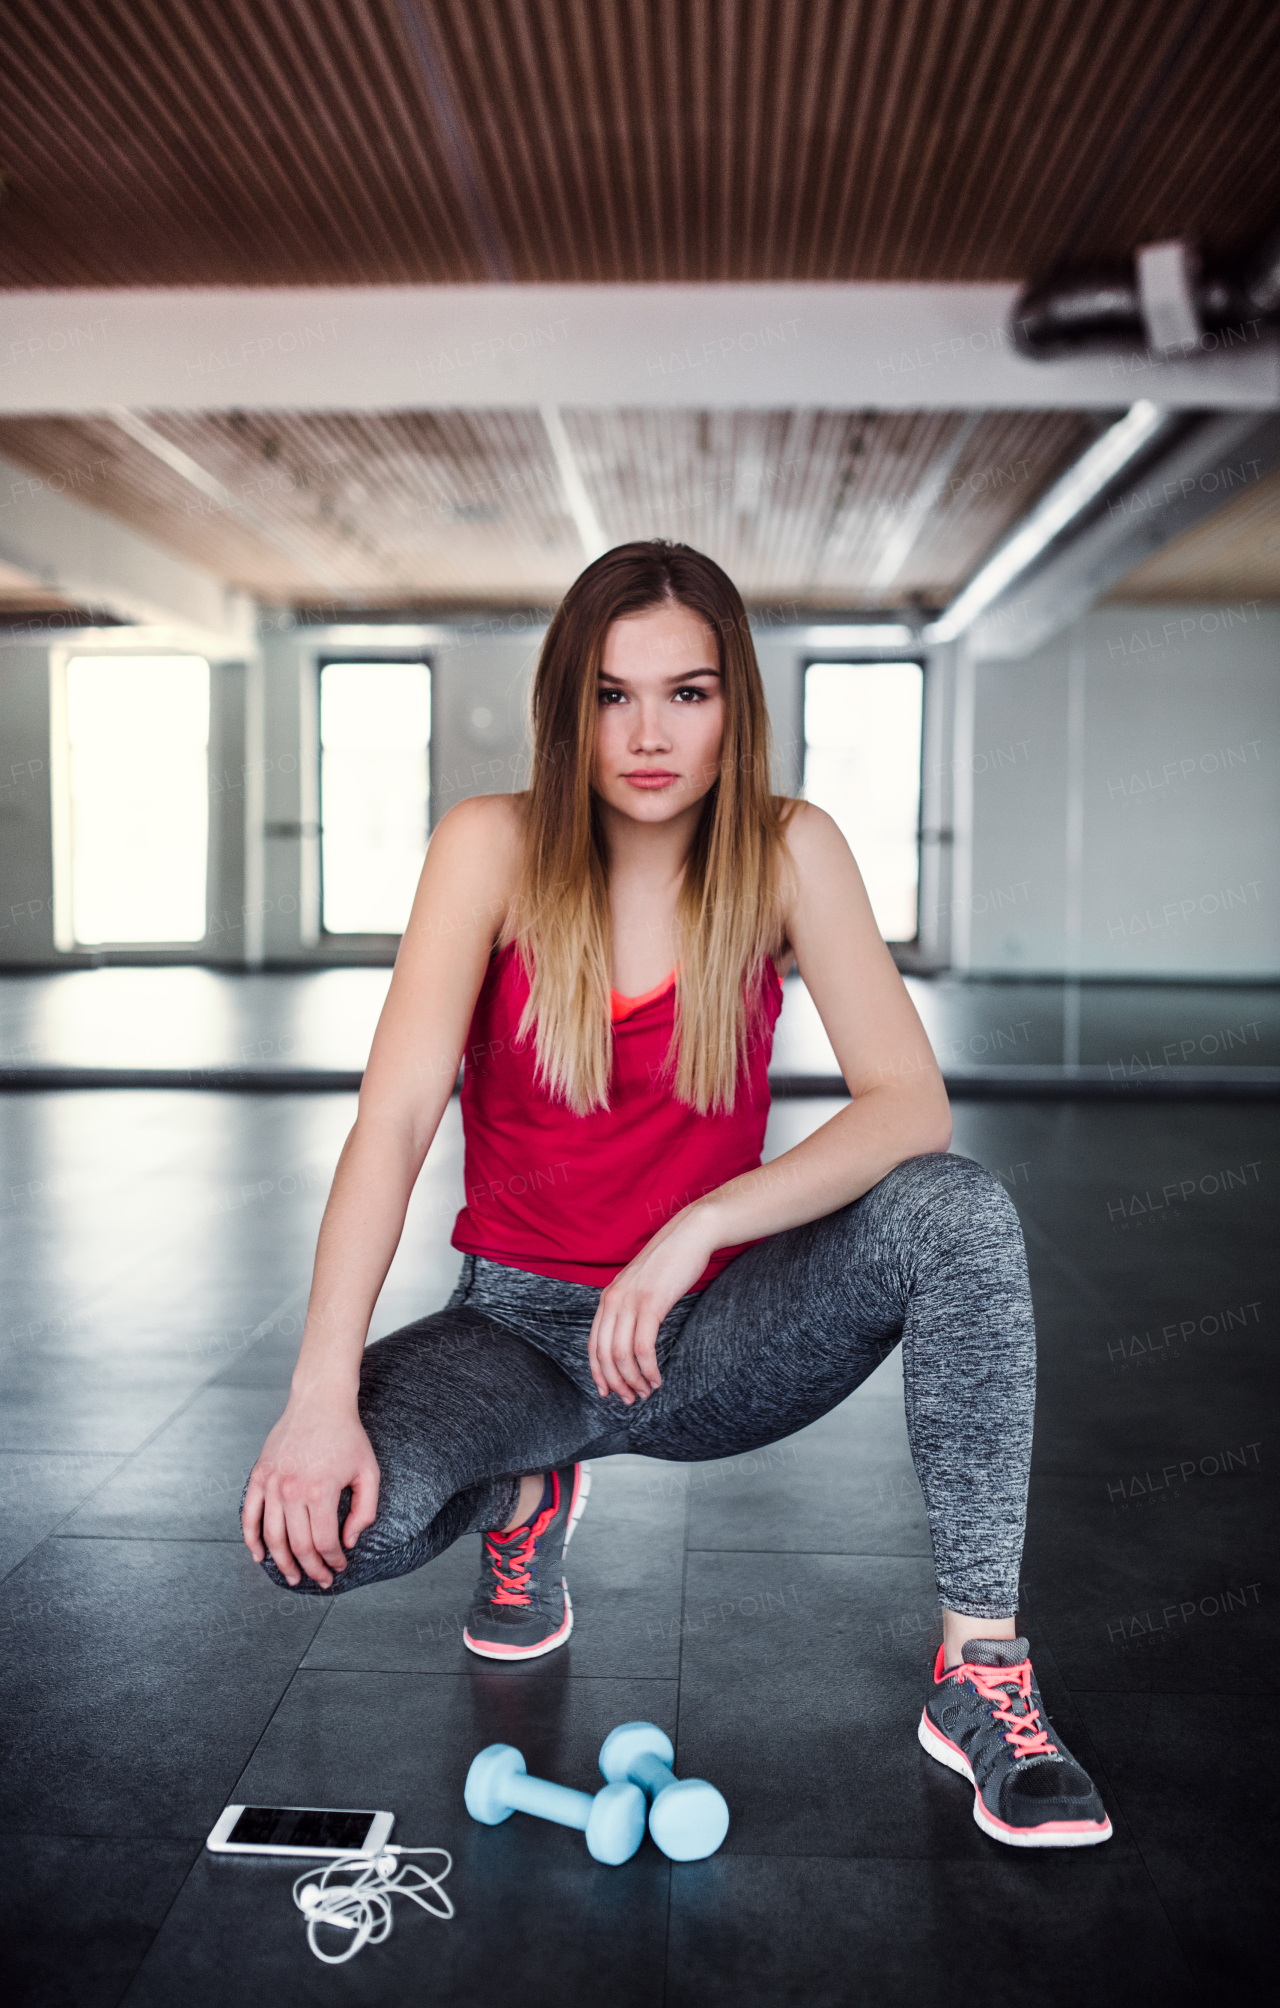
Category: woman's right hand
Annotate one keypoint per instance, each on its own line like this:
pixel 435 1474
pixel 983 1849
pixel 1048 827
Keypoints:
pixel 291 1507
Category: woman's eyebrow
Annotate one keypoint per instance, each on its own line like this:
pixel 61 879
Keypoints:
pixel 676 676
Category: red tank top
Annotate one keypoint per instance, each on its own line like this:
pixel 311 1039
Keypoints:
pixel 577 1197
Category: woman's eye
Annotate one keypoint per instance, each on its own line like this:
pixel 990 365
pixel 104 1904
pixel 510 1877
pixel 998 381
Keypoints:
pixel 605 695
pixel 691 690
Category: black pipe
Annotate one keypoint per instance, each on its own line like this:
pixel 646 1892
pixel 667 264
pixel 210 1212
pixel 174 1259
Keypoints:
pixel 1099 307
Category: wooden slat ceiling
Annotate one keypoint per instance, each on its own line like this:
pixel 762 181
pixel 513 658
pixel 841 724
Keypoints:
pixel 459 508
pixel 307 142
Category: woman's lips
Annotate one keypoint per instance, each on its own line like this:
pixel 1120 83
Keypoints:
pixel 651 777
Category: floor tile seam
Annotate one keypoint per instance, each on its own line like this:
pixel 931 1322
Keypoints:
pixel 469 1673
pixel 41 1450
pixel 1079 1281
pixel 173 1540
pixel 1111 1863
pixel 1118 1801
pixel 280 1700
pixel 684 1590
pixel 961 1856
pixel 228 1366
pixel 1233 1697
pixel 1136 1844
pixel 131 1982
pixel 89 1834
pixel 1102 1861
pixel 146 1443
pixel 1224 1695
pixel 844 1554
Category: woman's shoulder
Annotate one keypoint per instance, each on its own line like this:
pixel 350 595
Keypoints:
pixel 476 852
pixel 816 859
pixel 488 831
pixel 499 818
pixel 808 832
pixel 793 810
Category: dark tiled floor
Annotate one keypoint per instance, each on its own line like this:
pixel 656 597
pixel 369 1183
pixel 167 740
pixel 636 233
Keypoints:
pixel 775 1612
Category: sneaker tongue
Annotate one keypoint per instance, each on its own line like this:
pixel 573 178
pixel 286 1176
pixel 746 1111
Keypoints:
pixel 996 1651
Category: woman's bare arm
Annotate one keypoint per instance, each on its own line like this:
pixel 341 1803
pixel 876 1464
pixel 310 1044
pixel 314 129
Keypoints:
pixel 898 1108
pixel 319 1446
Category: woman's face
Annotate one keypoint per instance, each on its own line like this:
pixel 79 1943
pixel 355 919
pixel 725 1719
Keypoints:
pixel 660 716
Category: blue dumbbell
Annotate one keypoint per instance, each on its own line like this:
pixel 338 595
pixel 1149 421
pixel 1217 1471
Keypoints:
pixel 498 1785
pixel 689 1819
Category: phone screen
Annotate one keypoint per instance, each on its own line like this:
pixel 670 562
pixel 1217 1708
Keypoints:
pixel 299 1827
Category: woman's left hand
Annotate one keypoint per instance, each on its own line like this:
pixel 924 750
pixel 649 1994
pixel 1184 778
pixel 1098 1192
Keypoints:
pixel 623 1346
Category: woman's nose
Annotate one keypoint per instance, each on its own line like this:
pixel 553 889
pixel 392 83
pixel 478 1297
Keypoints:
pixel 649 730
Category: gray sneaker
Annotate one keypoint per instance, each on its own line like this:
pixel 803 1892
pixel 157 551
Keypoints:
pixel 985 1719
pixel 522 1606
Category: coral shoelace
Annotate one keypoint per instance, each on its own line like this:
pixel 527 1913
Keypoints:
pixel 512 1555
pixel 993 1684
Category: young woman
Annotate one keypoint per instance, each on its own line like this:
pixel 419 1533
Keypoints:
pixel 606 951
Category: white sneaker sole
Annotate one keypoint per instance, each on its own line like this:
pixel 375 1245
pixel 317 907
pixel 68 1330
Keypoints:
pixel 1054 1833
pixel 483 1649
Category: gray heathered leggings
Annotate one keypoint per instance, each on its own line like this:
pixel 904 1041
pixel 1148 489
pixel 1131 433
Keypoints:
pixel 459 1403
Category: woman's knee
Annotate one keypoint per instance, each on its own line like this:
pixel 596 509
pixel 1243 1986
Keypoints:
pixel 304 1587
pixel 374 1554
pixel 948 1193
pixel 383 1550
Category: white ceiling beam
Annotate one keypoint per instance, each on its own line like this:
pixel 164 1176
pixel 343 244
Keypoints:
pixel 723 347
pixel 93 561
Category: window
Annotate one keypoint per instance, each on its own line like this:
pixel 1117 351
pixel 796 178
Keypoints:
pixel 862 746
pixel 134 807
pixel 375 735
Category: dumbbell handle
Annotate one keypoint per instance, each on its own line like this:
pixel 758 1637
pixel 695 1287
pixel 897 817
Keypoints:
pixel 550 1802
pixel 650 1774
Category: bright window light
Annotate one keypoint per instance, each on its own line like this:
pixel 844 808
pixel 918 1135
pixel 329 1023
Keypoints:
pixel 375 735
pixel 862 724
pixel 138 781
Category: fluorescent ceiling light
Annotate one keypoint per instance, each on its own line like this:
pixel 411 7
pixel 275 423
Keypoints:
pixel 864 635
pixel 346 634
pixel 1069 496
pixel 577 500
pixel 162 449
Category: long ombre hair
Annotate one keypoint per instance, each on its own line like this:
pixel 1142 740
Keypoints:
pixel 728 915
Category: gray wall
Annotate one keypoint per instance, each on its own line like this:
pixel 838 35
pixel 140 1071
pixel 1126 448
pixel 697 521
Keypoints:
pixel 1124 798
pixel 26 835
pixel 478 694
pixel 1101 808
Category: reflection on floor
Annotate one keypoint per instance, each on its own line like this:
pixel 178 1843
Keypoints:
pixel 776 1615
pixel 314 1028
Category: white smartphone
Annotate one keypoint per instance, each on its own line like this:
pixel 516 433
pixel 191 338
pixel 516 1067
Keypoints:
pixel 316 1831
